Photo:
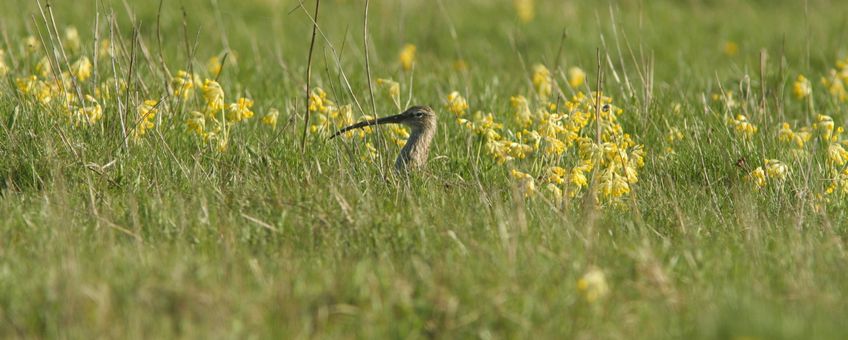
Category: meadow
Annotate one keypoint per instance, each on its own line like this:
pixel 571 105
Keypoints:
pixel 602 169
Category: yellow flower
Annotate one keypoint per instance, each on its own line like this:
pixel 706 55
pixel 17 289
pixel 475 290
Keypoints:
pixel 525 182
pixel 399 134
pixel 824 125
pixel 31 44
pixel 213 66
pixel 43 67
pixel 525 10
pixel 835 85
pixel 318 101
pixel 460 65
pixel 556 175
pixel 576 77
pixel 214 96
pixel 82 69
pixel 758 176
pixel 197 124
pixel 593 285
pixel 837 154
pixel 775 169
pixel 146 113
pixel 223 144
pixel 270 118
pixel 392 89
pixel 104 50
pixel 554 146
pixel 802 87
pixel 555 191
pixel 743 128
pixel 182 84
pixel 90 113
pixel 523 116
pixel 72 39
pixel 457 104
pixel 731 48
pixel 4 69
pixel 542 81
pixel 407 57
pixel 240 110
pixel 612 184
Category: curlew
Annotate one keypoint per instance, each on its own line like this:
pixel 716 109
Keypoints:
pixel 422 121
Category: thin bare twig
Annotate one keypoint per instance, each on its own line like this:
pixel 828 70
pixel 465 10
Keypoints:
pixel 309 76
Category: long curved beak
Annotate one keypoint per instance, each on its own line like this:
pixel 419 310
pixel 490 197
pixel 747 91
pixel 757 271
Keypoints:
pixel 396 119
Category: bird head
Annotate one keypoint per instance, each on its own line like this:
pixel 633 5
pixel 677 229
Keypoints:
pixel 416 118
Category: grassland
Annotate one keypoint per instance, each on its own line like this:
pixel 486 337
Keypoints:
pixel 169 237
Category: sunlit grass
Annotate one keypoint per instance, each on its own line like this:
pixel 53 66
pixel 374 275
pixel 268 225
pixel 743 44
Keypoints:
pixel 152 182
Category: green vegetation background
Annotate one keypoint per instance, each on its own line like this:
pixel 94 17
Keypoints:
pixel 175 240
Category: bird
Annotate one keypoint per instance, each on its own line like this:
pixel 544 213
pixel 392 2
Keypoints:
pixel 422 121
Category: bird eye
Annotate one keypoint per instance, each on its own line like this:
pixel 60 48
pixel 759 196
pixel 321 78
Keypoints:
pixel 419 113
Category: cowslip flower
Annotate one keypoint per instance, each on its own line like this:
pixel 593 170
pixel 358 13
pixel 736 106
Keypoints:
pixel 457 104
pixel 89 114
pixel 525 10
pixel 213 66
pixel 824 125
pixel 542 81
pixel 392 89
pixel 758 177
pixel 460 65
pixel 730 48
pixel 72 39
pixel 43 67
pixel 240 110
pixel 4 69
pixel 835 85
pixel 407 57
pixel 837 154
pixel 182 84
pixel 802 88
pixel 196 124
pixel 576 77
pixel 146 113
pixel 270 118
pixel 214 96
pixel 612 184
pixel 82 69
pixel 775 169
pixel 593 285
pixel 31 44
pixel 104 50
pixel 525 182
pixel 523 116
pixel 743 128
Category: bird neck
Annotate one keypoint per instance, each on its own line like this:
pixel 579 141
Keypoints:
pixel 414 153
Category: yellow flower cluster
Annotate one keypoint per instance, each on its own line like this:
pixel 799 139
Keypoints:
pixel 407 57
pixel 67 89
pixel 834 152
pixel 392 90
pixel 145 113
pixel 593 285
pixel 835 80
pixel 525 9
pixel 772 171
pixel 542 81
pixel 576 77
pixel 743 128
pixel 802 88
pixel 561 144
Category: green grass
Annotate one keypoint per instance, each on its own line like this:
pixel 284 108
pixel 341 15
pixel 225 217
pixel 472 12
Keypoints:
pixel 174 239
